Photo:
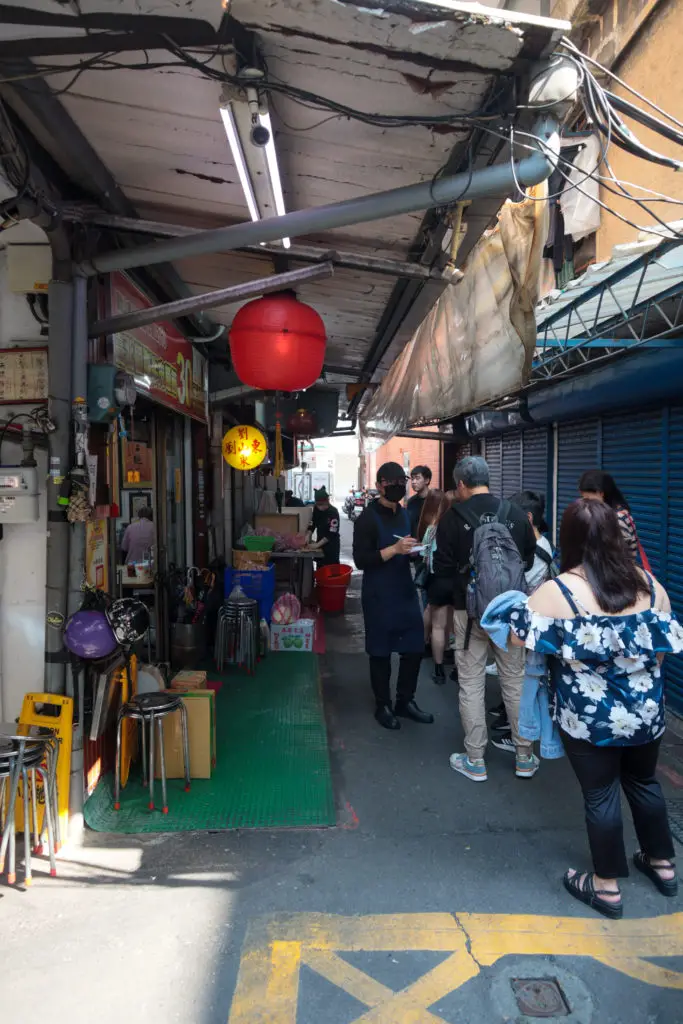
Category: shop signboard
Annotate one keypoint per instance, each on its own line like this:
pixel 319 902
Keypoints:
pixel 164 365
pixel 96 560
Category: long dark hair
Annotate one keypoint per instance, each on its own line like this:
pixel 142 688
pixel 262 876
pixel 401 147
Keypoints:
pixel 594 481
pixel 590 536
pixel 435 504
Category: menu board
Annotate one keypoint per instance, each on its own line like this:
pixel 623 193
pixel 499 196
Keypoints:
pixel 23 375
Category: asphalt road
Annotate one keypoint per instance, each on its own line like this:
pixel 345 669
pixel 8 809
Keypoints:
pixel 394 916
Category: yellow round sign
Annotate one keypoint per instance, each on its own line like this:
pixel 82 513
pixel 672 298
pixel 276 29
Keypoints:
pixel 244 448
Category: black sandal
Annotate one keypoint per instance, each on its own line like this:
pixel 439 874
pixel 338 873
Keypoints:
pixel 667 886
pixel 587 893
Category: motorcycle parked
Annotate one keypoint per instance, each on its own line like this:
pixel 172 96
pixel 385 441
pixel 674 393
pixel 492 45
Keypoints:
pixel 354 505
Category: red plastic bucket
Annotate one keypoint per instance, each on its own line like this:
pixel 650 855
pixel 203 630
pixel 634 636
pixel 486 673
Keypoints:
pixel 332 583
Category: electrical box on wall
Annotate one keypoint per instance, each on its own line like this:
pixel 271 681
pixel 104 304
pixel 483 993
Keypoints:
pixel 109 391
pixel 29 268
pixel 18 494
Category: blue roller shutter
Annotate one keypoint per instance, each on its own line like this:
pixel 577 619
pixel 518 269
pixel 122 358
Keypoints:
pixel 535 462
pixel 632 452
pixel 577 451
pixel 673 577
pixel 512 464
pixel 493 453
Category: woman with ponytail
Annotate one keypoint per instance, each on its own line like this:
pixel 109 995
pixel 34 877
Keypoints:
pixel 605 625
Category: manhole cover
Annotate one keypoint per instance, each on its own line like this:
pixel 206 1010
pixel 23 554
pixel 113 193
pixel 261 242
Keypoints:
pixel 539 997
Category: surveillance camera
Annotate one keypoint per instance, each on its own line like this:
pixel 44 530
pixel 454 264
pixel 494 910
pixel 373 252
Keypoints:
pixel 259 136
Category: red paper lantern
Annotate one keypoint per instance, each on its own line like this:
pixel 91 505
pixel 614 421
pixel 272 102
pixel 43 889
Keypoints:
pixel 302 424
pixel 277 344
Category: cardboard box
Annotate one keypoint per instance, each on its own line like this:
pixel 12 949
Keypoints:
pixel 201 728
pixel 188 680
pixel 297 637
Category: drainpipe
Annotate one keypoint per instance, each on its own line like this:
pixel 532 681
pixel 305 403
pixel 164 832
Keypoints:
pixel 79 414
pixel 60 297
pixel 499 180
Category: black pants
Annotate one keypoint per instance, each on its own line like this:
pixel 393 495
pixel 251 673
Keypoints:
pixel 601 772
pixel 380 678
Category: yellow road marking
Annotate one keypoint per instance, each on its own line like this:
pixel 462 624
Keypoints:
pixel 268 980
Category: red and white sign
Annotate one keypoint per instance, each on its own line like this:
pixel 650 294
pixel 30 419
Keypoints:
pixel 163 363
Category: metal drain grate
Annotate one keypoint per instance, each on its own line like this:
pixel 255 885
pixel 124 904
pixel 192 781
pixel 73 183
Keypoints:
pixel 540 997
pixel 675 809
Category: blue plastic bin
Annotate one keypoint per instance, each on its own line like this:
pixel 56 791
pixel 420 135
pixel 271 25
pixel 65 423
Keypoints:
pixel 257 584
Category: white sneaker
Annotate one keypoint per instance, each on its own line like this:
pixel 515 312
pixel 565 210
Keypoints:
pixel 492 670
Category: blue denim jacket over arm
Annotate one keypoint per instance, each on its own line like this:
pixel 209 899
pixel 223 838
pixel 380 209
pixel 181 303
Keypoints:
pixel 535 719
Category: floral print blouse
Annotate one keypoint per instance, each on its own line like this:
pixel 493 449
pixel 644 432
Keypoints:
pixel 606 678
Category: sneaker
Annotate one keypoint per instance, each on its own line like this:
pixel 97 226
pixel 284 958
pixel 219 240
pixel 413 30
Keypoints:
pixel 492 670
pixel 498 712
pixel 526 766
pixel 474 769
pixel 505 743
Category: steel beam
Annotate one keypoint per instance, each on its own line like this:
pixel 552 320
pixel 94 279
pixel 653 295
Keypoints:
pixel 491 181
pixel 209 300
pixel 297 253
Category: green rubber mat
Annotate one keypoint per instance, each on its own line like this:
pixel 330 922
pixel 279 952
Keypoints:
pixel 272 766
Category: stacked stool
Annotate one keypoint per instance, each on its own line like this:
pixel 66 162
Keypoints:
pixel 150 709
pixel 21 757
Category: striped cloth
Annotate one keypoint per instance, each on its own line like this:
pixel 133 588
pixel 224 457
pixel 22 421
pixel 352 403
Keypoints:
pixel 628 529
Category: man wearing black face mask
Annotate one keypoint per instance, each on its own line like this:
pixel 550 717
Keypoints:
pixel 393 621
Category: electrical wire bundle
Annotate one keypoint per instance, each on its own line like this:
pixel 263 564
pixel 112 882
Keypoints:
pixel 498 116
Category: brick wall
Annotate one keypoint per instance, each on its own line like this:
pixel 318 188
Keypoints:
pixel 408 452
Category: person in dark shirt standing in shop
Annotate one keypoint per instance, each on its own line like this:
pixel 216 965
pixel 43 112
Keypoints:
pixel 291 500
pixel 452 570
pixel 325 526
pixel 382 543
pixel 420 481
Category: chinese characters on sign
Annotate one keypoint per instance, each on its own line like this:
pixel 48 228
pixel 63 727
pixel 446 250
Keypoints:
pixel 163 363
pixel 23 375
pixel 244 448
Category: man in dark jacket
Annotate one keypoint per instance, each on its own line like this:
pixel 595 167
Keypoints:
pixel 451 574
pixel 382 543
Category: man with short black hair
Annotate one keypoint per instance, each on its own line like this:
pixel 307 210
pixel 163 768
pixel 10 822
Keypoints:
pixel 452 573
pixel 382 545
pixel 420 481
pixel 325 525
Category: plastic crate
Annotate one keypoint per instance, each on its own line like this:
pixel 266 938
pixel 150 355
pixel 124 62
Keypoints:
pixel 259 585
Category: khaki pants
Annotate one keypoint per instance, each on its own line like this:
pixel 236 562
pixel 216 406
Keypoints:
pixel 472 678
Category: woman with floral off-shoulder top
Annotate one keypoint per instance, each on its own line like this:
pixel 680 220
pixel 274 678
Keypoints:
pixel 605 625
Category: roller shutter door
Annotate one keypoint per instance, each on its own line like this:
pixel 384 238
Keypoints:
pixel 535 462
pixel 512 464
pixel 673 577
pixel 632 451
pixel 493 453
pixel 577 451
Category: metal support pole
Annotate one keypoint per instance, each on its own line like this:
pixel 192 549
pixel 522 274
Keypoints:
pixel 296 253
pixel 60 298
pixel 209 300
pixel 79 388
pixel 218 468
pixel 500 180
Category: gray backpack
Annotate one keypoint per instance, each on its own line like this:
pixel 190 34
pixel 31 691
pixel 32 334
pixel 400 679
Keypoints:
pixel 495 563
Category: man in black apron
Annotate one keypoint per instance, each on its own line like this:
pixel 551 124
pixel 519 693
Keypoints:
pixel 391 610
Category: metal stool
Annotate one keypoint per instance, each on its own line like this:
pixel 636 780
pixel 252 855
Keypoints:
pixel 149 709
pixel 20 758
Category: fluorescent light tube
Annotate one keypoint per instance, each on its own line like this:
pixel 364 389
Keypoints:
pixel 274 172
pixel 240 163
